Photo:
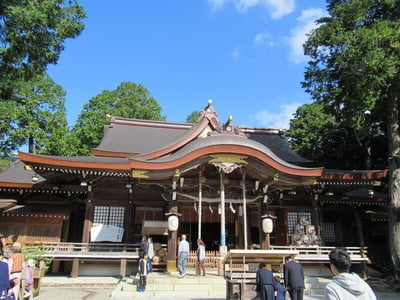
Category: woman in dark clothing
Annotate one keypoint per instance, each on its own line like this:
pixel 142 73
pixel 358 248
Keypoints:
pixel 266 283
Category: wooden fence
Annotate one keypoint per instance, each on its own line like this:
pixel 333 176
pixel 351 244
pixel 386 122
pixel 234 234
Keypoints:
pixel 61 251
pixel 211 261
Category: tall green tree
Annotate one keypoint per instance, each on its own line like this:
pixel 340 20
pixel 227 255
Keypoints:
pixel 355 68
pixel 193 117
pixel 332 142
pixel 32 35
pixel 318 136
pixel 128 100
pixel 37 119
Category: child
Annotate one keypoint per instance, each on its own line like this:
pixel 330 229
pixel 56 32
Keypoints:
pixel 280 289
pixel 143 270
pixel 29 265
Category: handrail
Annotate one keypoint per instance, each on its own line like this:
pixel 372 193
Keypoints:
pixel 306 253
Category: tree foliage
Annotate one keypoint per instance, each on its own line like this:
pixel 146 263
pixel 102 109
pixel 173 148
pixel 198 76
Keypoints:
pixel 354 69
pixel 32 35
pixel 128 100
pixel 333 143
pixel 193 117
pixel 316 135
pixel 36 118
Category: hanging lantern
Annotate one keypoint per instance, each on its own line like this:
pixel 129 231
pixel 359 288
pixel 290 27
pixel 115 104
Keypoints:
pixel 173 223
pixel 267 225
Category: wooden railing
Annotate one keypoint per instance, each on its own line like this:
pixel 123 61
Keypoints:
pixel 211 261
pixel 105 250
pixel 307 254
pixel 320 253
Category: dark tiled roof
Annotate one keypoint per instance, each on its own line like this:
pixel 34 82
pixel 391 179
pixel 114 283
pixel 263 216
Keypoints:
pixel 86 159
pixel 279 145
pixel 137 139
pixel 224 140
pixel 17 172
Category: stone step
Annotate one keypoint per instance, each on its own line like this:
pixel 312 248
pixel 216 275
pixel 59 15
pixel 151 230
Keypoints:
pixel 169 286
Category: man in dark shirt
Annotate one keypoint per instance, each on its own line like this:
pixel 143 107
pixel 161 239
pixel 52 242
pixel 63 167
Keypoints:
pixel 144 247
pixel 294 279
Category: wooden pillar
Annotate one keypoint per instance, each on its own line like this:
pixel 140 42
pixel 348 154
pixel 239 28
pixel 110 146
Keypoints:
pixel 315 214
pixel 364 269
pixel 172 241
pixel 75 268
pixel 55 266
pixel 359 228
pixel 87 225
pixel 122 268
pixel 129 220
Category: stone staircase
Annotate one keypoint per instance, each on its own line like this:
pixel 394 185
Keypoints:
pixel 315 287
pixel 168 286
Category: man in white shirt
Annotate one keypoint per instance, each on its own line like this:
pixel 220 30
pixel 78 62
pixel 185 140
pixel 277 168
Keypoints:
pixel 183 252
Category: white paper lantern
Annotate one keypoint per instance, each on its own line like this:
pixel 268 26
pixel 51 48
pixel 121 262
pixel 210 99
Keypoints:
pixel 173 223
pixel 267 225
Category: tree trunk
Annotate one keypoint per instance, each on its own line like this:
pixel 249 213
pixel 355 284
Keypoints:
pixel 394 171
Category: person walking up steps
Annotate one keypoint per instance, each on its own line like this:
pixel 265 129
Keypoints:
pixel 183 252
pixel 294 279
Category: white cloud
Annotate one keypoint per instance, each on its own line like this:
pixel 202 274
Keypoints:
pixel 243 5
pixel 278 119
pixel 217 5
pixel 277 8
pixel 281 8
pixel 236 52
pixel 305 23
pixel 263 39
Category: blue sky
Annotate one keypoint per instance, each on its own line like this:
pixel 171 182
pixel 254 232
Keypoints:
pixel 245 55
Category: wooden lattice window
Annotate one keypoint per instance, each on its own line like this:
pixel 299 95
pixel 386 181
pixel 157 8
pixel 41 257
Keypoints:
pixel 109 215
pixel 294 219
pixel 329 233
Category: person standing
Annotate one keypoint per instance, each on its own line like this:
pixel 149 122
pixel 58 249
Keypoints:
pixel 150 254
pixel 144 247
pixel 2 244
pixel 183 252
pixel 345 285
pixel 6 283
pixel 201 257
pixel 29 267
pixel 143 271
pixel 280 289
pixel 16 264
pixel 265 282
pixel 294 279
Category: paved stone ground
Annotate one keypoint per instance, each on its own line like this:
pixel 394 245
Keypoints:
pixel 74 293
pixel 100 288
pixel 103 293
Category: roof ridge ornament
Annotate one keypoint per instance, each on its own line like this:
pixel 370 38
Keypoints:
pixel 218 128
